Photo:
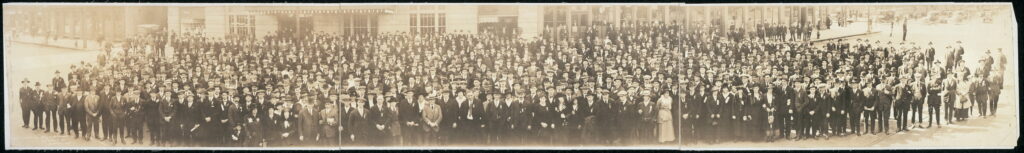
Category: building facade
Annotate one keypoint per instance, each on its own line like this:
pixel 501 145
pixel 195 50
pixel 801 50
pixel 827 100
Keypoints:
pixel 84 22
pixel 256 21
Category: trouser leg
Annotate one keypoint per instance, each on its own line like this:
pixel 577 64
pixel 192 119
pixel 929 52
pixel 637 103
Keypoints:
pixel 100 126
pixel 870 122
pixel 37 118
pixel 949 112
pixel 934 116
pixel 108 127
pixel 122 131
pixel 898 114
pixel 906 118
pixel 62 121
pixel 855 122
pixel 886 117
pixel 994 101
pixel 920 113
pixel 786 125
pixel 48 120
pixel 154 133
pixel 75 123
pixel 26 116
pixel 983 107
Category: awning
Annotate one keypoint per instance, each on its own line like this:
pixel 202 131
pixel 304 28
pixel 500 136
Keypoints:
pixel 338 11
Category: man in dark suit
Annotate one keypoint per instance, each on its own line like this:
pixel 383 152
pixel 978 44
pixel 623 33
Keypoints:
pixel 64 110
pixel 192 120
pixel 27 96
pixel 166 111
pixel 309 127
pixel 461 122
pixel 409 116
pixel 50 100
pixel 234 119
pixel 135 118
pixel 150 108
pixel 106 97
pixel 58 82
pixel 884 103
pixel 495 122
pixel 359 125
pixel 77 111
pixel 855 107
pixel 345 108
pixel 206 111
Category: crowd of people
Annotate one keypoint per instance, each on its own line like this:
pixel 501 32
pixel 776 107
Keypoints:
pixel 640 84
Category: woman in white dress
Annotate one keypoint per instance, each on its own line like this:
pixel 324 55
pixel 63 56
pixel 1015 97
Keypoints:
pixel 666 132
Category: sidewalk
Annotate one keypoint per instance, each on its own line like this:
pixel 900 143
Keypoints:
pixel 68 43
pixel 851 30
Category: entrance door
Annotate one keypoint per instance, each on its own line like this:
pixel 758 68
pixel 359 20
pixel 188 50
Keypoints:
pixel 294 25
pixel 506 26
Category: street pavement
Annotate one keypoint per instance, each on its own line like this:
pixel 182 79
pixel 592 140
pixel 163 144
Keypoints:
pixel 1000 131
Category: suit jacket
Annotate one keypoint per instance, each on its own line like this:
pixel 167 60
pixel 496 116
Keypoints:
pixel 182 115
pixel 286 125
pixel 343 121
pixel 91 103
pixel 432 114
pixel 49 100
pixel 58 84
pixel 410 111
pixel 493 117
pixel 359 125
pixel 309 122
pixel 167 110
pixel 541 114
pixel 27 97
pixel 450 109
pixel 118 109
pixel 478 114
pixel 329 122
pixel 236 115
pixel 151 107
pixel 193 115
pixel 377 116
pixel 208 108
pixel 462 114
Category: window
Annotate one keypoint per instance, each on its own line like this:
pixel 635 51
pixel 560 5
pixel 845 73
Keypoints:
pixel 195 25
pixel 643 14
pixel 413 26
pixel 441 23
pixel 193 19
pixel 360 24
pixel 579 19
pixel 427 23
pixel 554 17
pixel 242 26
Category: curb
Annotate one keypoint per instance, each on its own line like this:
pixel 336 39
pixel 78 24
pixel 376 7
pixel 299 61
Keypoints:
pixel 54 46
pixel 840 37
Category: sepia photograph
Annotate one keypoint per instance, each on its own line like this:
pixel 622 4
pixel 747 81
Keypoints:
pixel 664 76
